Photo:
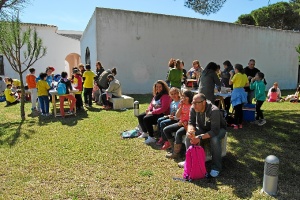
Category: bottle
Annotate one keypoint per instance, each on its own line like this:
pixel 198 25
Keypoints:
pixel 136 108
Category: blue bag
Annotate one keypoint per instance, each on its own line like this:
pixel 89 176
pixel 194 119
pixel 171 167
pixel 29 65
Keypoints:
pixel 61 88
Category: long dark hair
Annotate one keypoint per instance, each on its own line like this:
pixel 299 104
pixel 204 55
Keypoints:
pixel 227 63
pixel 240 68
pixel 262 77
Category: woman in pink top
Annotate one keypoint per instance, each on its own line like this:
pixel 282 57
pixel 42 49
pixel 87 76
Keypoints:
pixel 159 106
pixel 183 114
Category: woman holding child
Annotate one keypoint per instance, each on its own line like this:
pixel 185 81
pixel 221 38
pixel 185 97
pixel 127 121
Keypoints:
pixel 159 106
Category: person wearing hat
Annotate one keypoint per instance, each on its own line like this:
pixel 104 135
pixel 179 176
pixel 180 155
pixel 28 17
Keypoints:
pixel 113 91
pixel 77 84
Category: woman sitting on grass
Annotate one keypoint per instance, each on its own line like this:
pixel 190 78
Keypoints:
pixel 293 97
pixel 168 119
pixel 183 114
pixel 159 106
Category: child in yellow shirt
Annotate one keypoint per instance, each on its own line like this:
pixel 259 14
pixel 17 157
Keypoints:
pixel 9 96
pixel 43 88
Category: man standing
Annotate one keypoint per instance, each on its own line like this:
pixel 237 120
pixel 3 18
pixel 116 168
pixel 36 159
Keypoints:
pixel 206 124
pixel 250 71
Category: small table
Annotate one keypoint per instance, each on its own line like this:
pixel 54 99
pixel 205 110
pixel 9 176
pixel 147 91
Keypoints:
pixel 221 96
pixel 53 94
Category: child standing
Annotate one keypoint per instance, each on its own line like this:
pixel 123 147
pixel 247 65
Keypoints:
pixel 239 80
pixel 31 83
pixel 88 77
pixel 77 84
pixel 43 87
pixel 180 128
pixel 257 84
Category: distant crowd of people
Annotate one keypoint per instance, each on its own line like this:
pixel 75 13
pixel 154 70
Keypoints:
pixel 99 86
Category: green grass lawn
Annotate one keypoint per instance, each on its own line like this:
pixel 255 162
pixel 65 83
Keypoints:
pixel 83 157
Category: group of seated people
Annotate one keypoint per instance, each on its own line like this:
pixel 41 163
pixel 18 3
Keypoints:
pixel 186 114
pixel 179 113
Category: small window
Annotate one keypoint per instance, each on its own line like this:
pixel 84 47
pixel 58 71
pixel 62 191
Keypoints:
pixel 87 56
pixel 1 65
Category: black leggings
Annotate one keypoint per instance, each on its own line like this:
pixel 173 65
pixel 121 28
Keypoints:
pixel 259 113
pixel 238 114
pixel 147 121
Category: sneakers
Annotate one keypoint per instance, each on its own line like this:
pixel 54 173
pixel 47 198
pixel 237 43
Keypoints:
pixel 255 122
pixel 262 122
pixel 181 164
pixel 70 112
pixel 87 105
pixel 47 114
pixel 160 141
pixel 150 140
pixel 214 173
pixel 166 145
pixel 144 135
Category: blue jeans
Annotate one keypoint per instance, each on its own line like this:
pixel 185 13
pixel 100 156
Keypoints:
pixel 180 131
pixel 215 148
pixel 44 104
pixel 162 123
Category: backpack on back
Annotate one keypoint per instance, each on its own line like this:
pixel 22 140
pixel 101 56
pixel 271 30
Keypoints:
pixel 61 88
pixel 194 166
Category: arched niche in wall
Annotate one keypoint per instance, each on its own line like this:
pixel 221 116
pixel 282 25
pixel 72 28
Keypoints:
pixel 87 56
pixel 72 60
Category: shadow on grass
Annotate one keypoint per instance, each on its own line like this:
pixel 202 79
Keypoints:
pixel 68 120
pixel 11 137
pixel 244 168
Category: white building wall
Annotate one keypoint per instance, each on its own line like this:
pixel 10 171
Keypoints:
pixel 88 39
pixel 58 47
pixel 140 45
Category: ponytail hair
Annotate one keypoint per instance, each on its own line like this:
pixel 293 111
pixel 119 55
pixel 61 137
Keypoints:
pixel 240 68
pixel 262 77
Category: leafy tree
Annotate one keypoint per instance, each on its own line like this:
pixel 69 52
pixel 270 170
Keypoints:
pixel 7 7
pixel 205 7
pixel 246 19
pixel 280 15
pixel 15 41
pixel 298 50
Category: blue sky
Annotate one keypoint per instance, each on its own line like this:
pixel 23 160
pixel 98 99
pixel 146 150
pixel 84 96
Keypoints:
pixel 75 14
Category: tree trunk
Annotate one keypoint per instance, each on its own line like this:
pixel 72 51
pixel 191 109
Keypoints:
pixel 22 97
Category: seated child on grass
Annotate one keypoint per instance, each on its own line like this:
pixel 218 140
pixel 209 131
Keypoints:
pixel 10 96
pixel 272 97
pixel 293 97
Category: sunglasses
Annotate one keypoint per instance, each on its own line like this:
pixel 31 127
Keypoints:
pixel 197 102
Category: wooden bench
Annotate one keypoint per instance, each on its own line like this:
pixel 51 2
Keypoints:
pixel 122 102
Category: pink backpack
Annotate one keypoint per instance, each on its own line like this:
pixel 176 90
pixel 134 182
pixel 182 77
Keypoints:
pixel 194 166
